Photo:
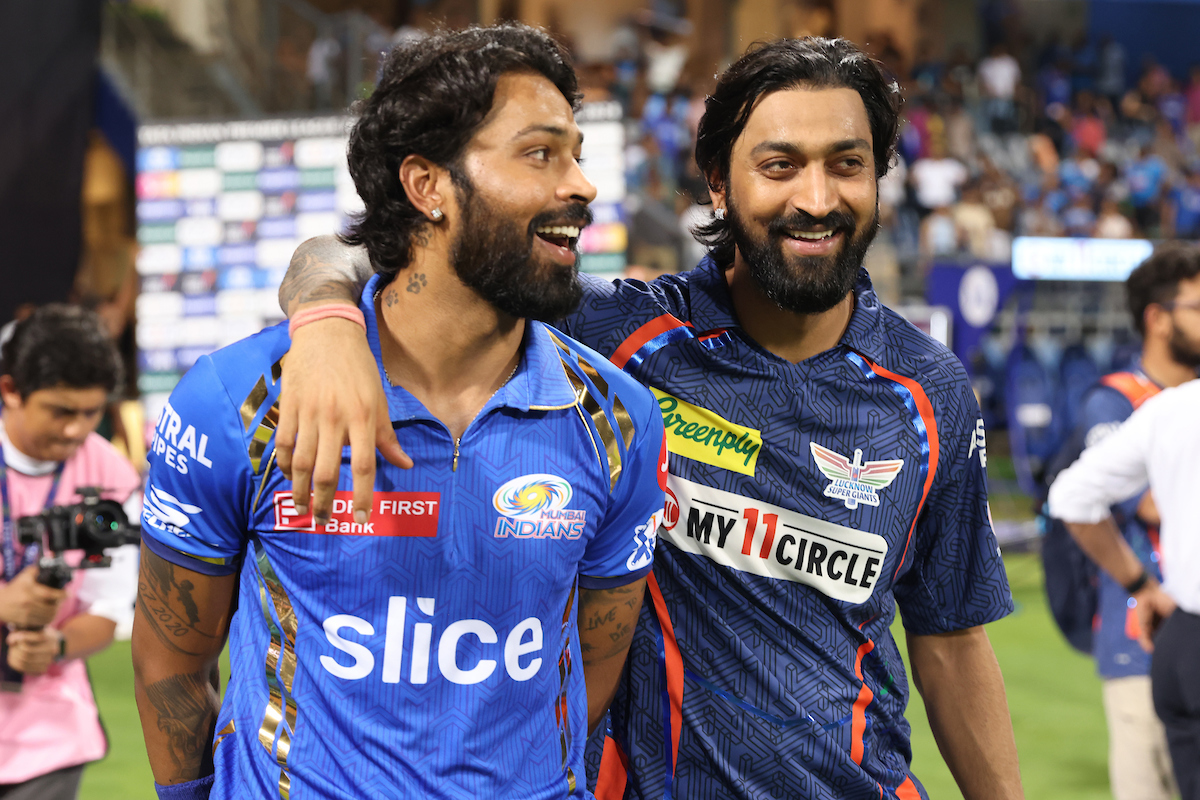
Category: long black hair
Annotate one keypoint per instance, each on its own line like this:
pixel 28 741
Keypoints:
pixel 432 98
pixel 811 62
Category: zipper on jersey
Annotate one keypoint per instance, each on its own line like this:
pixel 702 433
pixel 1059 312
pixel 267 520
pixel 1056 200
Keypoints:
pixel 454 464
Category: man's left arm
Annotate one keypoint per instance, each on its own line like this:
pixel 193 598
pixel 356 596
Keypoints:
pixel 956 584
pixel 606 621
pixel 959 679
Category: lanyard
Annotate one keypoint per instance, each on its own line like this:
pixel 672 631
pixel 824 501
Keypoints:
pixel 13 565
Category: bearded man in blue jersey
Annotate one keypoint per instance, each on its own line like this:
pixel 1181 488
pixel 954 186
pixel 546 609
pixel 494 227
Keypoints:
pixel 827 464
pixel 426 641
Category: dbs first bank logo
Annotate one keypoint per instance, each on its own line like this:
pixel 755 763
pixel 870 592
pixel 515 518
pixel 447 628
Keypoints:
pixel 393 514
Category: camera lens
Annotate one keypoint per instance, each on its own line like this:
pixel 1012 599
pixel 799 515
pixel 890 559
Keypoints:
pixel 105 524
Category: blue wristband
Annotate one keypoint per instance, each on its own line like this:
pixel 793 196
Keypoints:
pixel 192 790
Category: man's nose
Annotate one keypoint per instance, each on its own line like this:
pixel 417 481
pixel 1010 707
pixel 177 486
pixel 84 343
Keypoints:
pixel 814 193
pixel 576 187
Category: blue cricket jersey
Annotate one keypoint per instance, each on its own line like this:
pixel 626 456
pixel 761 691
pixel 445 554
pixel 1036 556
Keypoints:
pixel 805 502
pixel 1114 645
pixel 432 653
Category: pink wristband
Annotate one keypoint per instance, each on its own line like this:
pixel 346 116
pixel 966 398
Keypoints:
pixel 325 312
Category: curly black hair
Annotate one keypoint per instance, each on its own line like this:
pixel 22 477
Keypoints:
pixel 61 345
pixel 432 98
pixel 1156 280
pixel 810 62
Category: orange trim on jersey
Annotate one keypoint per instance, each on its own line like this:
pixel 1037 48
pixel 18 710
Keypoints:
pixel 1136 388
pixel 1133 628
pixel 858 722
pixel 907 790
pixel 638 339
pixel 925 409
pixel 614 772
pixel 674 666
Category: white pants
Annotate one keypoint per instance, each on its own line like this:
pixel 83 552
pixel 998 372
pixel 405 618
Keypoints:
pixel 1139 766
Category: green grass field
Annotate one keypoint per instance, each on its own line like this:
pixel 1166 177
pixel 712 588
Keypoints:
pixel 1053 692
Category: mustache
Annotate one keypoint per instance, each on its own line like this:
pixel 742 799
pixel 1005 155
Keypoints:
pixel 577 214
pixel 834 221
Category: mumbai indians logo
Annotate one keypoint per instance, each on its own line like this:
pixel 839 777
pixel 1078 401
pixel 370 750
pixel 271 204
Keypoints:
pixel 534 507
pixel 854 482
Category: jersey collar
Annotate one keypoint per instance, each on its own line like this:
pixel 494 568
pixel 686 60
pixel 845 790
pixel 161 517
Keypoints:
pixel 712 308
pixel 538 383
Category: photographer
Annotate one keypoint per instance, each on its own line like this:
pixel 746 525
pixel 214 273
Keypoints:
pixel 58 371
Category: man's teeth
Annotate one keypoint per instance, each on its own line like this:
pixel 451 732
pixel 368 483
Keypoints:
pixel 570 231
pixel 813 236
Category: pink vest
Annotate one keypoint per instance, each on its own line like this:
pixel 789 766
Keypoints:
pixel 53 722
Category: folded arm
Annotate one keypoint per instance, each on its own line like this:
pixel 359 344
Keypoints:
pixel 606 621
pixel 959 678
pixel 181 623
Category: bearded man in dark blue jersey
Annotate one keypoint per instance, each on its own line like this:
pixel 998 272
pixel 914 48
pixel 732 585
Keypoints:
pixel 827 464
pixel 455 635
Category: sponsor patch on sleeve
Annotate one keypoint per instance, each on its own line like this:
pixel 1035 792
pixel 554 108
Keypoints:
pixel 394 514
pixel 702 435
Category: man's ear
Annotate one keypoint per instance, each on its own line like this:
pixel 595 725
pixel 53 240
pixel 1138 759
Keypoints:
pixel 8 391
pixel 1157 321
pixel 427 186
pixel 716 193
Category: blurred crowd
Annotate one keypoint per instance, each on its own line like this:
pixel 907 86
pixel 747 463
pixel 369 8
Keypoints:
pixel 1046 143
pixel 1052 140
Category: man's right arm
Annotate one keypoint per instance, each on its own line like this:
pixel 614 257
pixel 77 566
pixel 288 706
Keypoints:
pixel 178 633
pixel 1109 472
pixel 332 395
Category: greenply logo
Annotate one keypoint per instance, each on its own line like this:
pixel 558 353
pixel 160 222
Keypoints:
pixel 699 434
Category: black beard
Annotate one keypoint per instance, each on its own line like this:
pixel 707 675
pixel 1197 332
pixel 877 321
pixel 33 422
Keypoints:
pixel 1182 351
pixel 495 258
pixel 804 284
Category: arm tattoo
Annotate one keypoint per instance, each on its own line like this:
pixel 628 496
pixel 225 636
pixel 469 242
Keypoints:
pixel 606 621
pixel 186 706
pixel 324 269
pixel 169 609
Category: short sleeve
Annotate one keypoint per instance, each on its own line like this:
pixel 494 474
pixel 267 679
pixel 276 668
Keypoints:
pixel 1104 409
pixel 957 579
pixel 622 550
pixel 198 487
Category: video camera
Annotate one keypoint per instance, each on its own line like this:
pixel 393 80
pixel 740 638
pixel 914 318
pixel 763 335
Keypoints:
pixel 92 525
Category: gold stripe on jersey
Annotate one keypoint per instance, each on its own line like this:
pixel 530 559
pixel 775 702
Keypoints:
pixel 279 716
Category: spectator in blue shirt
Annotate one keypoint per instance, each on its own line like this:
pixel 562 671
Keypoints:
pixel 1183 207
pixel 1147 176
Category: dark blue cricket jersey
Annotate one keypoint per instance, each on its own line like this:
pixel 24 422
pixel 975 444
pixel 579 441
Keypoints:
pixel 434 651
pixel 805 502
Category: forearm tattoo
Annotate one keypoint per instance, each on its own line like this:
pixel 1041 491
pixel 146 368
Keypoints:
pixel 186 706
pixel 606 620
